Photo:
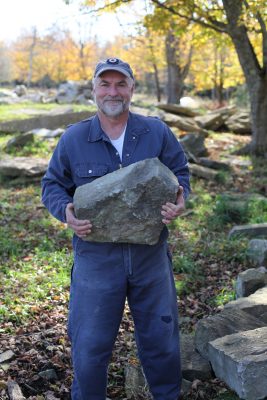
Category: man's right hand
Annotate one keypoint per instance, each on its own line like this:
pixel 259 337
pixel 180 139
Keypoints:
pixel 81 227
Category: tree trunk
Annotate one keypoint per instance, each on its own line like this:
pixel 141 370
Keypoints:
pixel 156 75
pixel 255 74
pixel 31 55
pixel 258 100
pixel 175 85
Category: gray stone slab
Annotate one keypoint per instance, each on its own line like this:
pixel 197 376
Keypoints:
pixel 227 322
pixel 22 167
pixel 125 205
pixel 257 251
pixel 194 366
pixel 255 304
pixel 249 281
pixel 249 231
pixel 240 360
pixel 44 121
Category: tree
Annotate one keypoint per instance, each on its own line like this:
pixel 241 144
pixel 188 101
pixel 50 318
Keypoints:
pixel 239 19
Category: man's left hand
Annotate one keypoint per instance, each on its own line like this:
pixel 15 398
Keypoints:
pixel 170 211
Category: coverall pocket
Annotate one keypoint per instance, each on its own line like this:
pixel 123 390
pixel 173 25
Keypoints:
pixel 87 172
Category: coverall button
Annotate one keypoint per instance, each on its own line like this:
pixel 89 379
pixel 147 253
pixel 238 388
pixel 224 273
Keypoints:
pixel 90 171
pixel 127 155
pixel 133 137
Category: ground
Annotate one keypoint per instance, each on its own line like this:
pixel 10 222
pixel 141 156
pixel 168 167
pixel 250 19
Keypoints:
pixel 36 261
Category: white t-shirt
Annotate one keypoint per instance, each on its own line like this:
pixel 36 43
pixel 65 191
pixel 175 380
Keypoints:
pixel 118 143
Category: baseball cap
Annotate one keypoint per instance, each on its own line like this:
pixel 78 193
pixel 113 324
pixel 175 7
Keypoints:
pixel 114 64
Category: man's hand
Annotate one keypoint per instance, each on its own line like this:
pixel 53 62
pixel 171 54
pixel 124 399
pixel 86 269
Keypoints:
pixel 170 211
pixel 82 228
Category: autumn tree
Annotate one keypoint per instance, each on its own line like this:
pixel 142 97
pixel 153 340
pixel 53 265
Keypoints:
pixel 239 19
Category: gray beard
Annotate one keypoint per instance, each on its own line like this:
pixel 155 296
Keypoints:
pixel 110 110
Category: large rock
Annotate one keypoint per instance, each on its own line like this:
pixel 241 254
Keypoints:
pixel 255 304
pixel 203 172
pixel 225 323
pixel 20 140
pixel 44 121
pixel 22 167
pixel 183 123
pixel 239 123
pixel 74 92
pixel 250 281
pixel 194 144
pixel 250 231
pixel 257 251
pixel 125 205
pixel 240 360
pixel 211 121
pixel 178 110
pixel 194 366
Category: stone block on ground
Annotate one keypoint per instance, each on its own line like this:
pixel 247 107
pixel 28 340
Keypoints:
pixel 194 366
pixel 239 123
pixel 249 281
pixel 22 167
pixel 240 360
pixel 194 144
pixel 178 110
pixel 255 304
pixel 135 382
pixel 257 251
pixel 125 205
pixel 249 231
pixel 227 322
pixel 14 391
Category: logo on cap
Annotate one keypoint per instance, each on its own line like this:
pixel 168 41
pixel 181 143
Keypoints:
pixel 113 61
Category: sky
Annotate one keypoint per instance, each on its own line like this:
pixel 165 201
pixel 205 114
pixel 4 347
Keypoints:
pixel 17 16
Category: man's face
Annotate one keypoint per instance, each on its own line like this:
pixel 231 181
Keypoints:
pixel 113 92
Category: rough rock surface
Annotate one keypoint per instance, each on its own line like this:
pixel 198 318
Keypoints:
pixel 52 121
pixel 178 110
pixel 250 231
pixel 255 304
pixel 125 205
pixel 257 251
pixel 249 281
pixel 22 166
pixel 241 361
pixel 239 123
pixel 194 144
pixel 227 322
pixel 194 366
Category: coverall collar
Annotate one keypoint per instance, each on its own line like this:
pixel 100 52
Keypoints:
pixel 96 132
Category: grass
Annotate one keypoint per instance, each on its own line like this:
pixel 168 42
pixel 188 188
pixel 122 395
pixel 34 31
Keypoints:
pixel 35 264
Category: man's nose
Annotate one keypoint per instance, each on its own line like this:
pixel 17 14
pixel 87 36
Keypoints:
pixel 113 91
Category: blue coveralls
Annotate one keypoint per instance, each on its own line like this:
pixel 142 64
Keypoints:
pixel 105 274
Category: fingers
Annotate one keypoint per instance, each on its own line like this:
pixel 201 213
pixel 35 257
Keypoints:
pixel 170 211
pixel 82 228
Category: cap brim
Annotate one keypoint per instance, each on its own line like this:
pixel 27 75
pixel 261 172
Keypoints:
pixel 113 68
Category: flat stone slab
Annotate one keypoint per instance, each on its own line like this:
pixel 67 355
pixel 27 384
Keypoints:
pixel 255 304
pixel 52 121
pixel 227 322
pixel 250 231
pixel 125 206
pixel 22 166
pixel 240 360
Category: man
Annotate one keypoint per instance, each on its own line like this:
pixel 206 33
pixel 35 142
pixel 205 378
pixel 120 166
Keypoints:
pixel 105 274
